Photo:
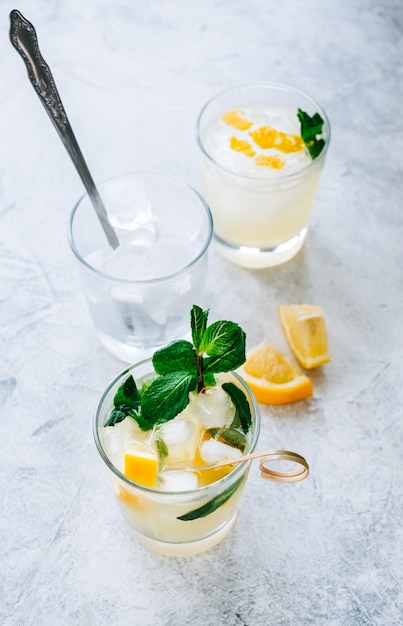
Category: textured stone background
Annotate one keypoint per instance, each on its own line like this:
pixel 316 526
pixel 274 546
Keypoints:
pixel 133 76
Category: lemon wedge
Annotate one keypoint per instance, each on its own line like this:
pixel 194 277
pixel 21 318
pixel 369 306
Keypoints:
pixel 305 330
pixel 273 378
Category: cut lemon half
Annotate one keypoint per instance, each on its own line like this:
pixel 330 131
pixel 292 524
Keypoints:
pixel 273 378
pixel 141 467
pixel 305 330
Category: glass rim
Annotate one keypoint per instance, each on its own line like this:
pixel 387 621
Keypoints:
pixel 278 175
pixel 150 490
pixel 147 281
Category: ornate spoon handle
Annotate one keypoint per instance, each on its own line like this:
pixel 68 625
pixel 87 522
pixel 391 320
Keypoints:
pixel 23 38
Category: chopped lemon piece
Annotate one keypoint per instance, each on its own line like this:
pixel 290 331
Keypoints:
pixel 305 329
pixel 273 378
pixel 234 118
pixel 240 145
pixel 142 467
pixel 273 161
pixel 131 499
pixel 208 476
pixel 268 137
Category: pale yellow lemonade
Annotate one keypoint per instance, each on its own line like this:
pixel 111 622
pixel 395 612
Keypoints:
pixel 258 176
pixel 192 439
pixel 155 467
pixel 244 214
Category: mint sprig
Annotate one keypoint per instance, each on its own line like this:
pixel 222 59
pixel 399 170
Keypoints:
pixel 311 129
pixel 182 368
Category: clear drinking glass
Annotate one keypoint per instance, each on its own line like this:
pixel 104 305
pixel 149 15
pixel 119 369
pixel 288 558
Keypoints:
pixel 153 514
pixel 260 212
pixel 140 294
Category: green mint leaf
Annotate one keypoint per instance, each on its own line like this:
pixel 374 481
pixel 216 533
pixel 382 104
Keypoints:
pixel 241 404
pixel 224 343
pixel 230 436
pixel 213 504
pixel 311 127
pixel 127 395
pixel 127 401
pixel 209 380
pixel 198 324
pixel 115 417
pixel 167 396
pixel 162 448
pixel 138 416
pixel 316 147
pixel 177 356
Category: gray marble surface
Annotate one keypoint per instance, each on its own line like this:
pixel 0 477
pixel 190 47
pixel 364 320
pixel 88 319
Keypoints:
pixel 133 76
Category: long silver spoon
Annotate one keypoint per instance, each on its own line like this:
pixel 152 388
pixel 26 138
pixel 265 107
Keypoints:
pixel 23 38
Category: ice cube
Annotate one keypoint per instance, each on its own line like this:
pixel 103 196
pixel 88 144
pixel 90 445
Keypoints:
pixel 177 480
pixel 145 236
pixel 172 254
pixel 96 259
pixel 212 451
pixel 182 284
pixel 160 317
pixel 181 437
pixel 131 261
pixel 213 407
pixel 117 439
pixel 127 294
pixel 128 204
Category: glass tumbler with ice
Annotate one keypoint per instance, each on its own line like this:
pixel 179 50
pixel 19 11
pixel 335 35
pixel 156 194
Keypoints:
pixel 139 295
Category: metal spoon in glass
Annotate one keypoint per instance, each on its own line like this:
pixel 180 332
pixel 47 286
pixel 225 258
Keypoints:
pixel 266 456
pixel 23 38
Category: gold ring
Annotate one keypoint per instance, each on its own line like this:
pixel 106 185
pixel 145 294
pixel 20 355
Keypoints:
pixel 284 477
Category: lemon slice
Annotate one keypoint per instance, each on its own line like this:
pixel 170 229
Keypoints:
pixel 273 378
pixel 305 329
pixel 141 467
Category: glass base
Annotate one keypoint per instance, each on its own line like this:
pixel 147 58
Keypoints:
pixel 259 258
pixel 184 549
pixel 124 352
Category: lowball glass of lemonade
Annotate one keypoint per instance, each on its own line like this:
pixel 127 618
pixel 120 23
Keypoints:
pixel 262 151
pixel 161 421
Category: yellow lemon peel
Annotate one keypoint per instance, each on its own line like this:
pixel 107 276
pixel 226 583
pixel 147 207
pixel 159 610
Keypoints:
pixel 234 118
pixel 267 137
pixel 273 161
pixel 240 145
